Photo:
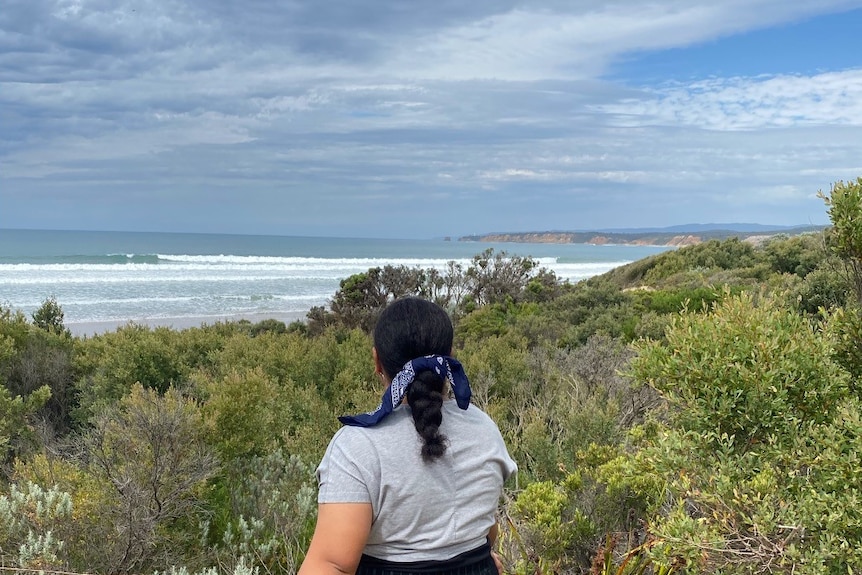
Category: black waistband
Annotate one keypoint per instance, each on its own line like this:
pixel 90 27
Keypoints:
pixel 475 561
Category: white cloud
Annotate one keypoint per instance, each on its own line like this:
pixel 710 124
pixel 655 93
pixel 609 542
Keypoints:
pixel 367 106
pixel 530 43
pixel 748 103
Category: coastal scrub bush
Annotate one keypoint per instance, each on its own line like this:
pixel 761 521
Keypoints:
pixel 502 359
pixel 502 318
pixel 548 532
pixel 16 414
pixel 44 358
pixel 844 238
pixel 591 307
pixel 752 371
pixel 270 514
pixel 559 526
pixel 714 254
pixel 29 518
pixel 32 358
pixel 150 449
pixel 565 422
pixel 240 413
pixel 490 278
pixel 736 470
pixel 798 255
pixel 336 365
pixel 49 317
pixel 85 529
pixel 676 300
pixel 846 325
pixel 822 289
pixel 247 414
pixel 109 365
pixel 13 325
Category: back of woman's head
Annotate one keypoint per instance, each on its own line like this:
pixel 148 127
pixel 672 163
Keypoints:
pixel 407 329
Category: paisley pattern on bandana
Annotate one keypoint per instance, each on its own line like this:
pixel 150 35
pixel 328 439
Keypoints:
pixel 445 366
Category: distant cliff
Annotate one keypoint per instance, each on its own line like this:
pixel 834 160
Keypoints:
pixel 635 238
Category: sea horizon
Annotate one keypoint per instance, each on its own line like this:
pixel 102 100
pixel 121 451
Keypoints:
pixel 200 233
pixel 105 279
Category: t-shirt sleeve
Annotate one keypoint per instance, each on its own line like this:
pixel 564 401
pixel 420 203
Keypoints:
pixel 340 475
pixel 498 446
pixel 510 468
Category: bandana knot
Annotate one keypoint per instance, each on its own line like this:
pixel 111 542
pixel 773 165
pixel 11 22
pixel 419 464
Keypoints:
pixel 444 366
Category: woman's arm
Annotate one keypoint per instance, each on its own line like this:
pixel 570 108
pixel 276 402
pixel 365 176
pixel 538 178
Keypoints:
pixel 493 532
pixel 339 538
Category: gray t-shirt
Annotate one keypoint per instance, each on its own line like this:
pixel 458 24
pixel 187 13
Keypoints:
pixel 421 511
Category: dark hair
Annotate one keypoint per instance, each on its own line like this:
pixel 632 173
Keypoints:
pixel 408 328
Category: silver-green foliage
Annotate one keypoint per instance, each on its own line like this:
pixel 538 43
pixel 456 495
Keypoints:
pixel 241 568
pixel 28 517
pixel 274 504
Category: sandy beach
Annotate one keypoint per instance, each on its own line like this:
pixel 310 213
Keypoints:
pixel 85 329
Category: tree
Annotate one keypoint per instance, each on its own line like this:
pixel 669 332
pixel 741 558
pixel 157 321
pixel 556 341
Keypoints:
pixel 50 316
pixel 490 278
pixel 362 296
pixel 845 237
pixel 498 277
pixel 150 449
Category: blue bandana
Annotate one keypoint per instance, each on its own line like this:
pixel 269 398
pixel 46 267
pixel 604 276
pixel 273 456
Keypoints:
pixel 445 366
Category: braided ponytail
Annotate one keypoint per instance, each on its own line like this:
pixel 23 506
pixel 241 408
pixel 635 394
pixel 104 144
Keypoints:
pixel 425 397
pixel 408 328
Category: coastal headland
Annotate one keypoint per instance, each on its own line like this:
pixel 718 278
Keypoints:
pixel 675 237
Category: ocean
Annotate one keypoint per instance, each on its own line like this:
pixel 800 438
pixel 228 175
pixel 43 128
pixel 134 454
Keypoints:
pixel 106 279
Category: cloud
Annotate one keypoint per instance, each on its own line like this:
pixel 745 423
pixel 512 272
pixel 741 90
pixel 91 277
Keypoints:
pixel 749 103
pixel 353 110
pixel 577 41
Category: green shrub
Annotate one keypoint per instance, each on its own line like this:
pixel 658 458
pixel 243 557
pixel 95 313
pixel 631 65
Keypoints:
pixel 675 301
pixel 798 255
pixel 753 468
pixel 749 371
pixel 713 254
pixel 269 514
pixel 844 238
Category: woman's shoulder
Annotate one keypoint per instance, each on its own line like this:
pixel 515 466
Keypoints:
pixel 473 412
pixel 354 434
pixel 473 419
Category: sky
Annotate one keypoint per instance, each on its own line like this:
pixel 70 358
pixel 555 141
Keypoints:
pixel 421 119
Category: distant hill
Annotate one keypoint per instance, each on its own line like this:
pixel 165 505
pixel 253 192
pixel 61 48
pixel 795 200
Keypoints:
pixel 687 234
pixel 699 228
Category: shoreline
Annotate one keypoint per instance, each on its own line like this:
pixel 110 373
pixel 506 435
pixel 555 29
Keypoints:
pixel 91 328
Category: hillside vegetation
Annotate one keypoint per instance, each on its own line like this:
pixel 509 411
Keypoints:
pixel 676 236
pixel 697 411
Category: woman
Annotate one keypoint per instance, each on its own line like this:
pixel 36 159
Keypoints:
pixel 412 487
